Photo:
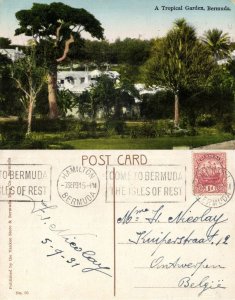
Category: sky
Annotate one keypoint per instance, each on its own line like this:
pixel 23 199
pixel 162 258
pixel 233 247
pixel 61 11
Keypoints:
pixel 132 18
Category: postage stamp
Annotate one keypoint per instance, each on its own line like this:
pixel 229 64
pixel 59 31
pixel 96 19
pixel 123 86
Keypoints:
pixel 78 186
pixel 209 173
pixel 212 183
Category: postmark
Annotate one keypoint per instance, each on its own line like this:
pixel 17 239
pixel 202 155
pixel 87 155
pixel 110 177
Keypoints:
pixel 146 184
pixel 78 186
pixel 212 182
pixel 25 182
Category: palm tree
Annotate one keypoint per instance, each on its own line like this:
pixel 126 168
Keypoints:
pixel 179 62
pixel 184 30
pixel 217 42
pixel 181 39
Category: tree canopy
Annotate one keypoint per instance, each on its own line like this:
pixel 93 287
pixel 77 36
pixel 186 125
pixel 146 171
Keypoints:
pixel 54 28
pixel 217 42
pixel 56 20
pixel 179 61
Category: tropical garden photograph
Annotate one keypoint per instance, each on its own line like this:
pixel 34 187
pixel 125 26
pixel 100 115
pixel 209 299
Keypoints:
pixel 65 85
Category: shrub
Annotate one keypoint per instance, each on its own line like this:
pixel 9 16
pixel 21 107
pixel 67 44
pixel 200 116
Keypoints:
pixel 179 132
pixel 165 127
pixel 34 144
pixel 226 123
pixel 88 126
pixel 46 125
pixel 58 125
pixel 13 131
pixel 147 129
pixel 115 127
pixel 205 120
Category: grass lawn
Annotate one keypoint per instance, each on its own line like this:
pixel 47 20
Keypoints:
pixel 74 138
pixel 151 143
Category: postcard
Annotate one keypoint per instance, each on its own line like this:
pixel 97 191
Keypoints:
pixel 105 74
pixel 117 225
pixel 117 144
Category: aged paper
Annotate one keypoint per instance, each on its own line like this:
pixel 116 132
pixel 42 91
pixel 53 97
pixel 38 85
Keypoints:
pixel 117 225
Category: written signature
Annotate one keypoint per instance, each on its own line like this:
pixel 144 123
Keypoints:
pixel 87 256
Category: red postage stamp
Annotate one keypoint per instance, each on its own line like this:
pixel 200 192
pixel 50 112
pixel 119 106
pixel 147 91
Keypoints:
pixel 209 173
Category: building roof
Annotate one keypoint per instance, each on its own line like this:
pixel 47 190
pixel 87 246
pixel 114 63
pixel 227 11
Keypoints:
pixel 13 54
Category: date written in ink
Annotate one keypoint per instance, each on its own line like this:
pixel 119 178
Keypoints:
pixel 59 253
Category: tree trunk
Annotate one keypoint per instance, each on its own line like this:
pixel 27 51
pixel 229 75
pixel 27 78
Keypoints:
pixel 30 114
pixel 52 86
pixel 177 116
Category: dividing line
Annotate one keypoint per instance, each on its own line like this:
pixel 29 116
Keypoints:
pixel 114 235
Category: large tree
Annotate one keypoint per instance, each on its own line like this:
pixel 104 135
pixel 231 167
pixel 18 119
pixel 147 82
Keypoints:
pixel 54 28
pixel 217 42
pixel 178 61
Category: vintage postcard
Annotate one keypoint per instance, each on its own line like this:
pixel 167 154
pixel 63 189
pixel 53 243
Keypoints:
pixel 117 125
pixel 106 74
pixel 117 225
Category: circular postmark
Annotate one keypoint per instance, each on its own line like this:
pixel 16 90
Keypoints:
pixel 78 186
pixel 215 200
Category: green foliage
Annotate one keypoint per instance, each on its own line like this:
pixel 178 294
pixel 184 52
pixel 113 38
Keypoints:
pixel 66 101
pixel 8 91
pixel 222 87
pixel 5 43
pixel 147 130
pixel 129 72
pixel 103 96
pixel 89 102
pixel 71 133
pixel 178 61
pixel 206 120
pixel 51 25
pixel 48 125
pixel 41 103
pixel 226 123
pixel 13 131
pixel 107 96
pixel 114 127
pixel 128 52
pixel 158 106
pixel 95 51
pixel 153 129
pixel 217 42
pixel 46 18
pixel 131 51
pixel 29 77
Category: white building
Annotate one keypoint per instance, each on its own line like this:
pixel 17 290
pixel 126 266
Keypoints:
pixel 13 54
pixel 80 81
pixel 74 81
